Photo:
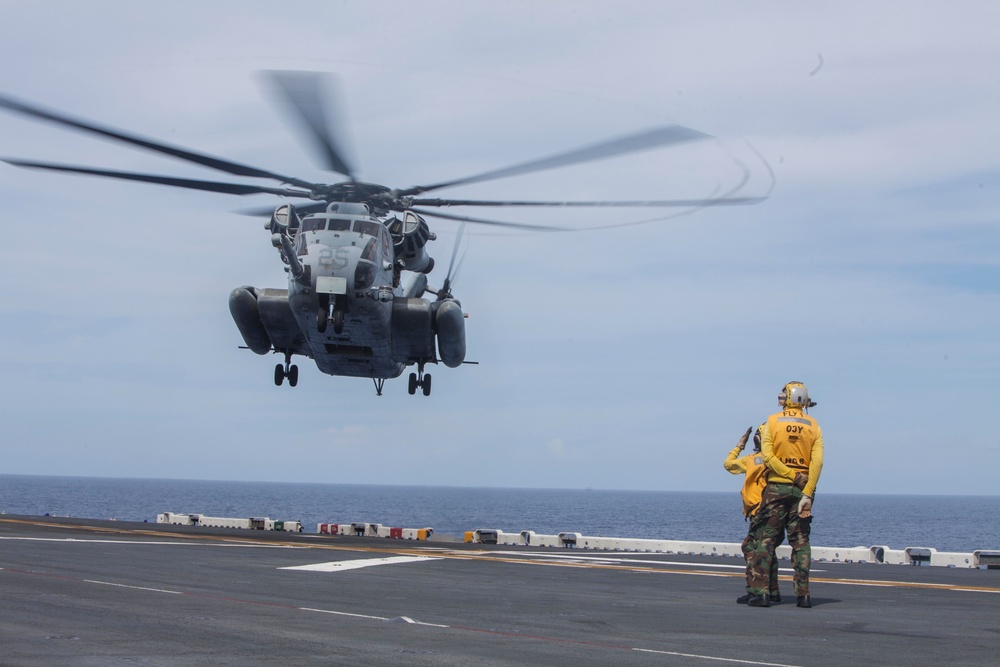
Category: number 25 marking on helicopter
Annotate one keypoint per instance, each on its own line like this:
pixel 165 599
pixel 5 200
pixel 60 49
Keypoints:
pixel 356 253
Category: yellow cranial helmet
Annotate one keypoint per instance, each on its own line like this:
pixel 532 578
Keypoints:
pixel 796 395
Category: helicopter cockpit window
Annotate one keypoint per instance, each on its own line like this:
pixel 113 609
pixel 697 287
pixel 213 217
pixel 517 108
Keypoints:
pixel 364 275
pixel 371 250
pixel 312 224
pixel 386 247
pixel 339 225
pixel 368 228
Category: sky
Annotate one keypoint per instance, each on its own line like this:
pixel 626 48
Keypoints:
pixel 618 356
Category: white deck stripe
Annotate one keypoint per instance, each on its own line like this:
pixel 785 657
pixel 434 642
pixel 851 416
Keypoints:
pixel 137 588
pixel 341 565
pixel 712 657
pixel 344 613
pixel 639 561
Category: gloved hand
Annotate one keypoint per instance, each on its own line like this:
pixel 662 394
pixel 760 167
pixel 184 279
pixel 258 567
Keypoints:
pixel 800 480
pixel 743 438
pixel 805 507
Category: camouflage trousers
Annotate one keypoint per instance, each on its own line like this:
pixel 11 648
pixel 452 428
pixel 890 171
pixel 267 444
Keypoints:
pixel 750 546
pixel 779 513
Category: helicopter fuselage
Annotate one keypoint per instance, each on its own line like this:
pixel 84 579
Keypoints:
pixel 349 260
pixel 350 305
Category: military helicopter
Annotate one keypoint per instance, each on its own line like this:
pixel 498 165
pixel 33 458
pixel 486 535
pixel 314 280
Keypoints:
pixel 355 252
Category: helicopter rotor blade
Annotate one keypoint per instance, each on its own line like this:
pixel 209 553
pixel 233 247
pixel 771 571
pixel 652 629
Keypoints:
pixel 303 93
pixel 301 209
pixel 319 207
pixel 656 137
pixel 227 166
pixel 190 184
pixel 446 287
pixel 651 203
pixel 484 221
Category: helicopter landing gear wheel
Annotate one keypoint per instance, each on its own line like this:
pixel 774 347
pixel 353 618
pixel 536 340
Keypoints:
pixel 338 321
pixel 286 370
pixel 418 379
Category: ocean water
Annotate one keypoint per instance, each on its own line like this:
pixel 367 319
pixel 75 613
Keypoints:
pixel 946 523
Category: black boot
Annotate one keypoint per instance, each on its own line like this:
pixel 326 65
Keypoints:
pixel 775 597
pixel 743 599
pixel 759 601
pixel 803 601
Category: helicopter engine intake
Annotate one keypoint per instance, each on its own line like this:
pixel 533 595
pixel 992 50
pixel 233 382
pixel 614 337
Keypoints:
pixel 409 236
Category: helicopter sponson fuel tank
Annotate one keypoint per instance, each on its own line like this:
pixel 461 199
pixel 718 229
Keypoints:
pixel 265 319
pixel 417 322
pixel 449 324
pixel 243 307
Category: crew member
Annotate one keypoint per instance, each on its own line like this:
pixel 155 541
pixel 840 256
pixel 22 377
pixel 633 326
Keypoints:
pixel 792 448
pixel 752 466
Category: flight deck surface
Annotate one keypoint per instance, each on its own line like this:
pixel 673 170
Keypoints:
pixel 89 592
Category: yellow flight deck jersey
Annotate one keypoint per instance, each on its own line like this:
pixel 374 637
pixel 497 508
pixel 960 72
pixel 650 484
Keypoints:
pixel 756 477
pixel 792 443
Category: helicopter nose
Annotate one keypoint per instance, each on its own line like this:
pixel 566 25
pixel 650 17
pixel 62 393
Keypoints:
pixel 328 260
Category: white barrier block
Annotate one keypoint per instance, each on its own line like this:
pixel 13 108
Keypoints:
pixel 175 519
pixel 531 539
pixel 953 559
pixel 842 554
pixel 223 522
